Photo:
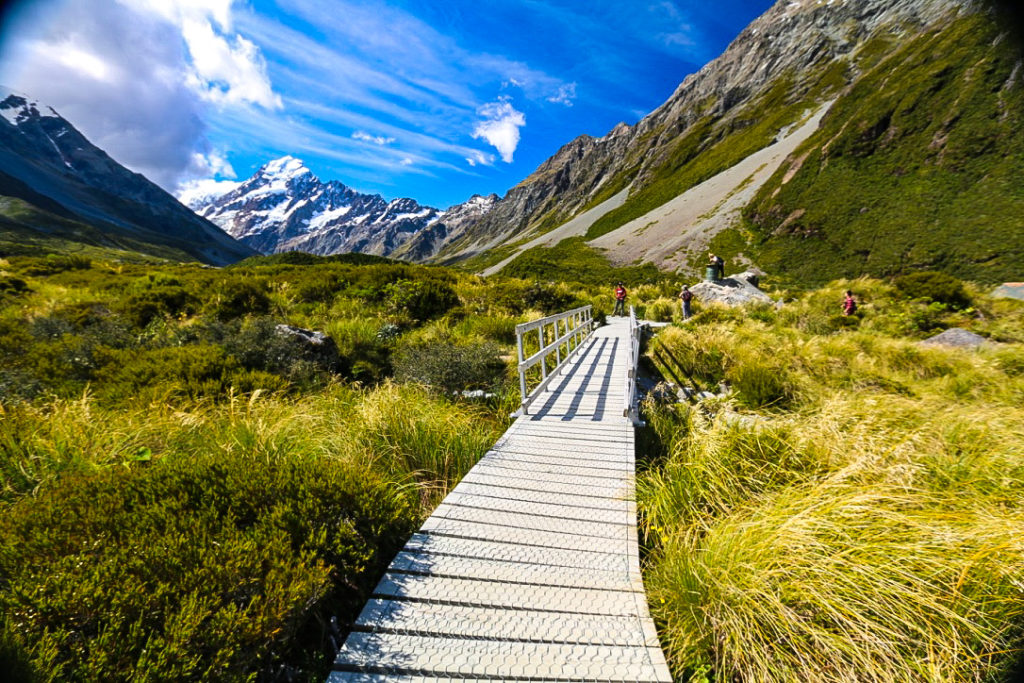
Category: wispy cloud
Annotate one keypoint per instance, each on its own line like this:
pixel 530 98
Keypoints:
pixel 375 139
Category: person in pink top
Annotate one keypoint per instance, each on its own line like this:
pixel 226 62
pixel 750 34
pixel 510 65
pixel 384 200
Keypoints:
pixel 849 304
pixel 620 300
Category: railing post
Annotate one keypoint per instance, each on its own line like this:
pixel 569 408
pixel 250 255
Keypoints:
pixel 543 360
pixel 558 345
pixel 522 373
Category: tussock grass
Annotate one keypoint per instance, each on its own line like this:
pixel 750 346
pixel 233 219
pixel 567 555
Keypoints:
pixel 865 528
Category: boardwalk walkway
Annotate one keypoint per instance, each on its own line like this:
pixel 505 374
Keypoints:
pixel 528 570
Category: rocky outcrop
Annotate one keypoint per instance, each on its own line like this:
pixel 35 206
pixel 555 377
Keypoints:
pixel 956 337
pixel 735 290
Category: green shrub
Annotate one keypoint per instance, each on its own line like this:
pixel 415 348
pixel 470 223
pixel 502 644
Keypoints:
pixel 547 298
pixel 321 289
pixel 53 264
pixel 190 371
pixel 260 345
pixel 660 310
pixel 222 568
pixel 451 368
pixel 13 285
pixel 761 382
pixel 935 286
pixel 420 299
pixel 240 297
pixel 157 301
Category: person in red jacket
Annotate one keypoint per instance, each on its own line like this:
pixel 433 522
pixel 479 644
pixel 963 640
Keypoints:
pixel 620 300
pixel 849 304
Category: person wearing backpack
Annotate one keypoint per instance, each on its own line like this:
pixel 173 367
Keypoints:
pixel 686 296
pixel 620 300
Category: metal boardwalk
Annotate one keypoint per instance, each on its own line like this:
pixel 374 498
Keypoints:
pixel 529 568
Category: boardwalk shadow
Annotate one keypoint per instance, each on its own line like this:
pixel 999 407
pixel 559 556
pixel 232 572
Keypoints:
pixel 587 369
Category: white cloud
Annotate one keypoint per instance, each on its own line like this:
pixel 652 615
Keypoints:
pixel 210 165
pixel 366 137
pixel 225 68
pixel 406 161
pixel 126 74
pixel 196 192
pixel 565 95
pixel 177 11
pixel 476 157
pixel 227 72
pixel 500 127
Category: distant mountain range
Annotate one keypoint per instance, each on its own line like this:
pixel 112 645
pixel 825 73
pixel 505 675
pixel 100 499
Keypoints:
pixel 56 186
pixel 830 139
pixel 284 207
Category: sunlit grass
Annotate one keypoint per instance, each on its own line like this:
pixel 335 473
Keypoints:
pixel 866 528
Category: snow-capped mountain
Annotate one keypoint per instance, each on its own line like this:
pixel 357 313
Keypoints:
pixel 284 207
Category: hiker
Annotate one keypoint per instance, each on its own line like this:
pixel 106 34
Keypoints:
pixel 717 264
pixel 686 296
pixel 620 300
pixel 849 304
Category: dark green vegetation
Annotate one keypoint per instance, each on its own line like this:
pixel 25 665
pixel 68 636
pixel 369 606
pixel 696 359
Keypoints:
pixel 188 492
pixel 916 167
pixel 852 509
pixel 572 260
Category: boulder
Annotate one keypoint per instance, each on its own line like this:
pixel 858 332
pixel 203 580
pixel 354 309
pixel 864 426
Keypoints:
pixel 956 337
pixel 1009 290
pixel 311 337
pixel 735 290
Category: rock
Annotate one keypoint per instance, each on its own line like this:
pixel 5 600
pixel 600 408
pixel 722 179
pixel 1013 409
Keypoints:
pixel 1009 290
pixel 663 393
pixel 311 346
pixel 735 290
pixel 311 337
pixel 956 337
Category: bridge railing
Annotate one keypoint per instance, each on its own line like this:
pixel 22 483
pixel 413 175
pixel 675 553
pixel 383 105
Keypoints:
pixel 568 331
pixel 635 331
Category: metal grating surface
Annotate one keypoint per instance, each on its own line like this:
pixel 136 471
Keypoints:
pixel 529 568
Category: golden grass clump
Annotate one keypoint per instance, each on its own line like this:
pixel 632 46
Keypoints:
pixel 866 529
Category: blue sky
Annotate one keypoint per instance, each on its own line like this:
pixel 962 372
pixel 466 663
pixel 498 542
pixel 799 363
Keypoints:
pixel 431 100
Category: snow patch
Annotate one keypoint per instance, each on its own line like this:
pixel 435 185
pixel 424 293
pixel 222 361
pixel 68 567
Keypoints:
pixel 285 168
pixel 329 216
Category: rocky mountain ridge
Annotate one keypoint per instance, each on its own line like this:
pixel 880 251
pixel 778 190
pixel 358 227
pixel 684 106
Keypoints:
pixel 285 207
pixel 799 51
pixel 71 189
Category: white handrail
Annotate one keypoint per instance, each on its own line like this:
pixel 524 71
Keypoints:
pixel 578 326
pixel 630 408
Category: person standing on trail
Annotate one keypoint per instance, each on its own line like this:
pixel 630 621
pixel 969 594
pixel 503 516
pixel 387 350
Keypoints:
pixel 620 300
pixel 686 296
pixel 849 304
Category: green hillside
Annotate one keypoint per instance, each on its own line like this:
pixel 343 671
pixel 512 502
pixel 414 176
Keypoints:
pixel 917 166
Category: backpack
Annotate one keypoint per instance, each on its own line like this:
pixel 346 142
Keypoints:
pixel 686 296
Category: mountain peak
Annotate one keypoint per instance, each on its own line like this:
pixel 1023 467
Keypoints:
pixel 285 168
pixel 17 108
